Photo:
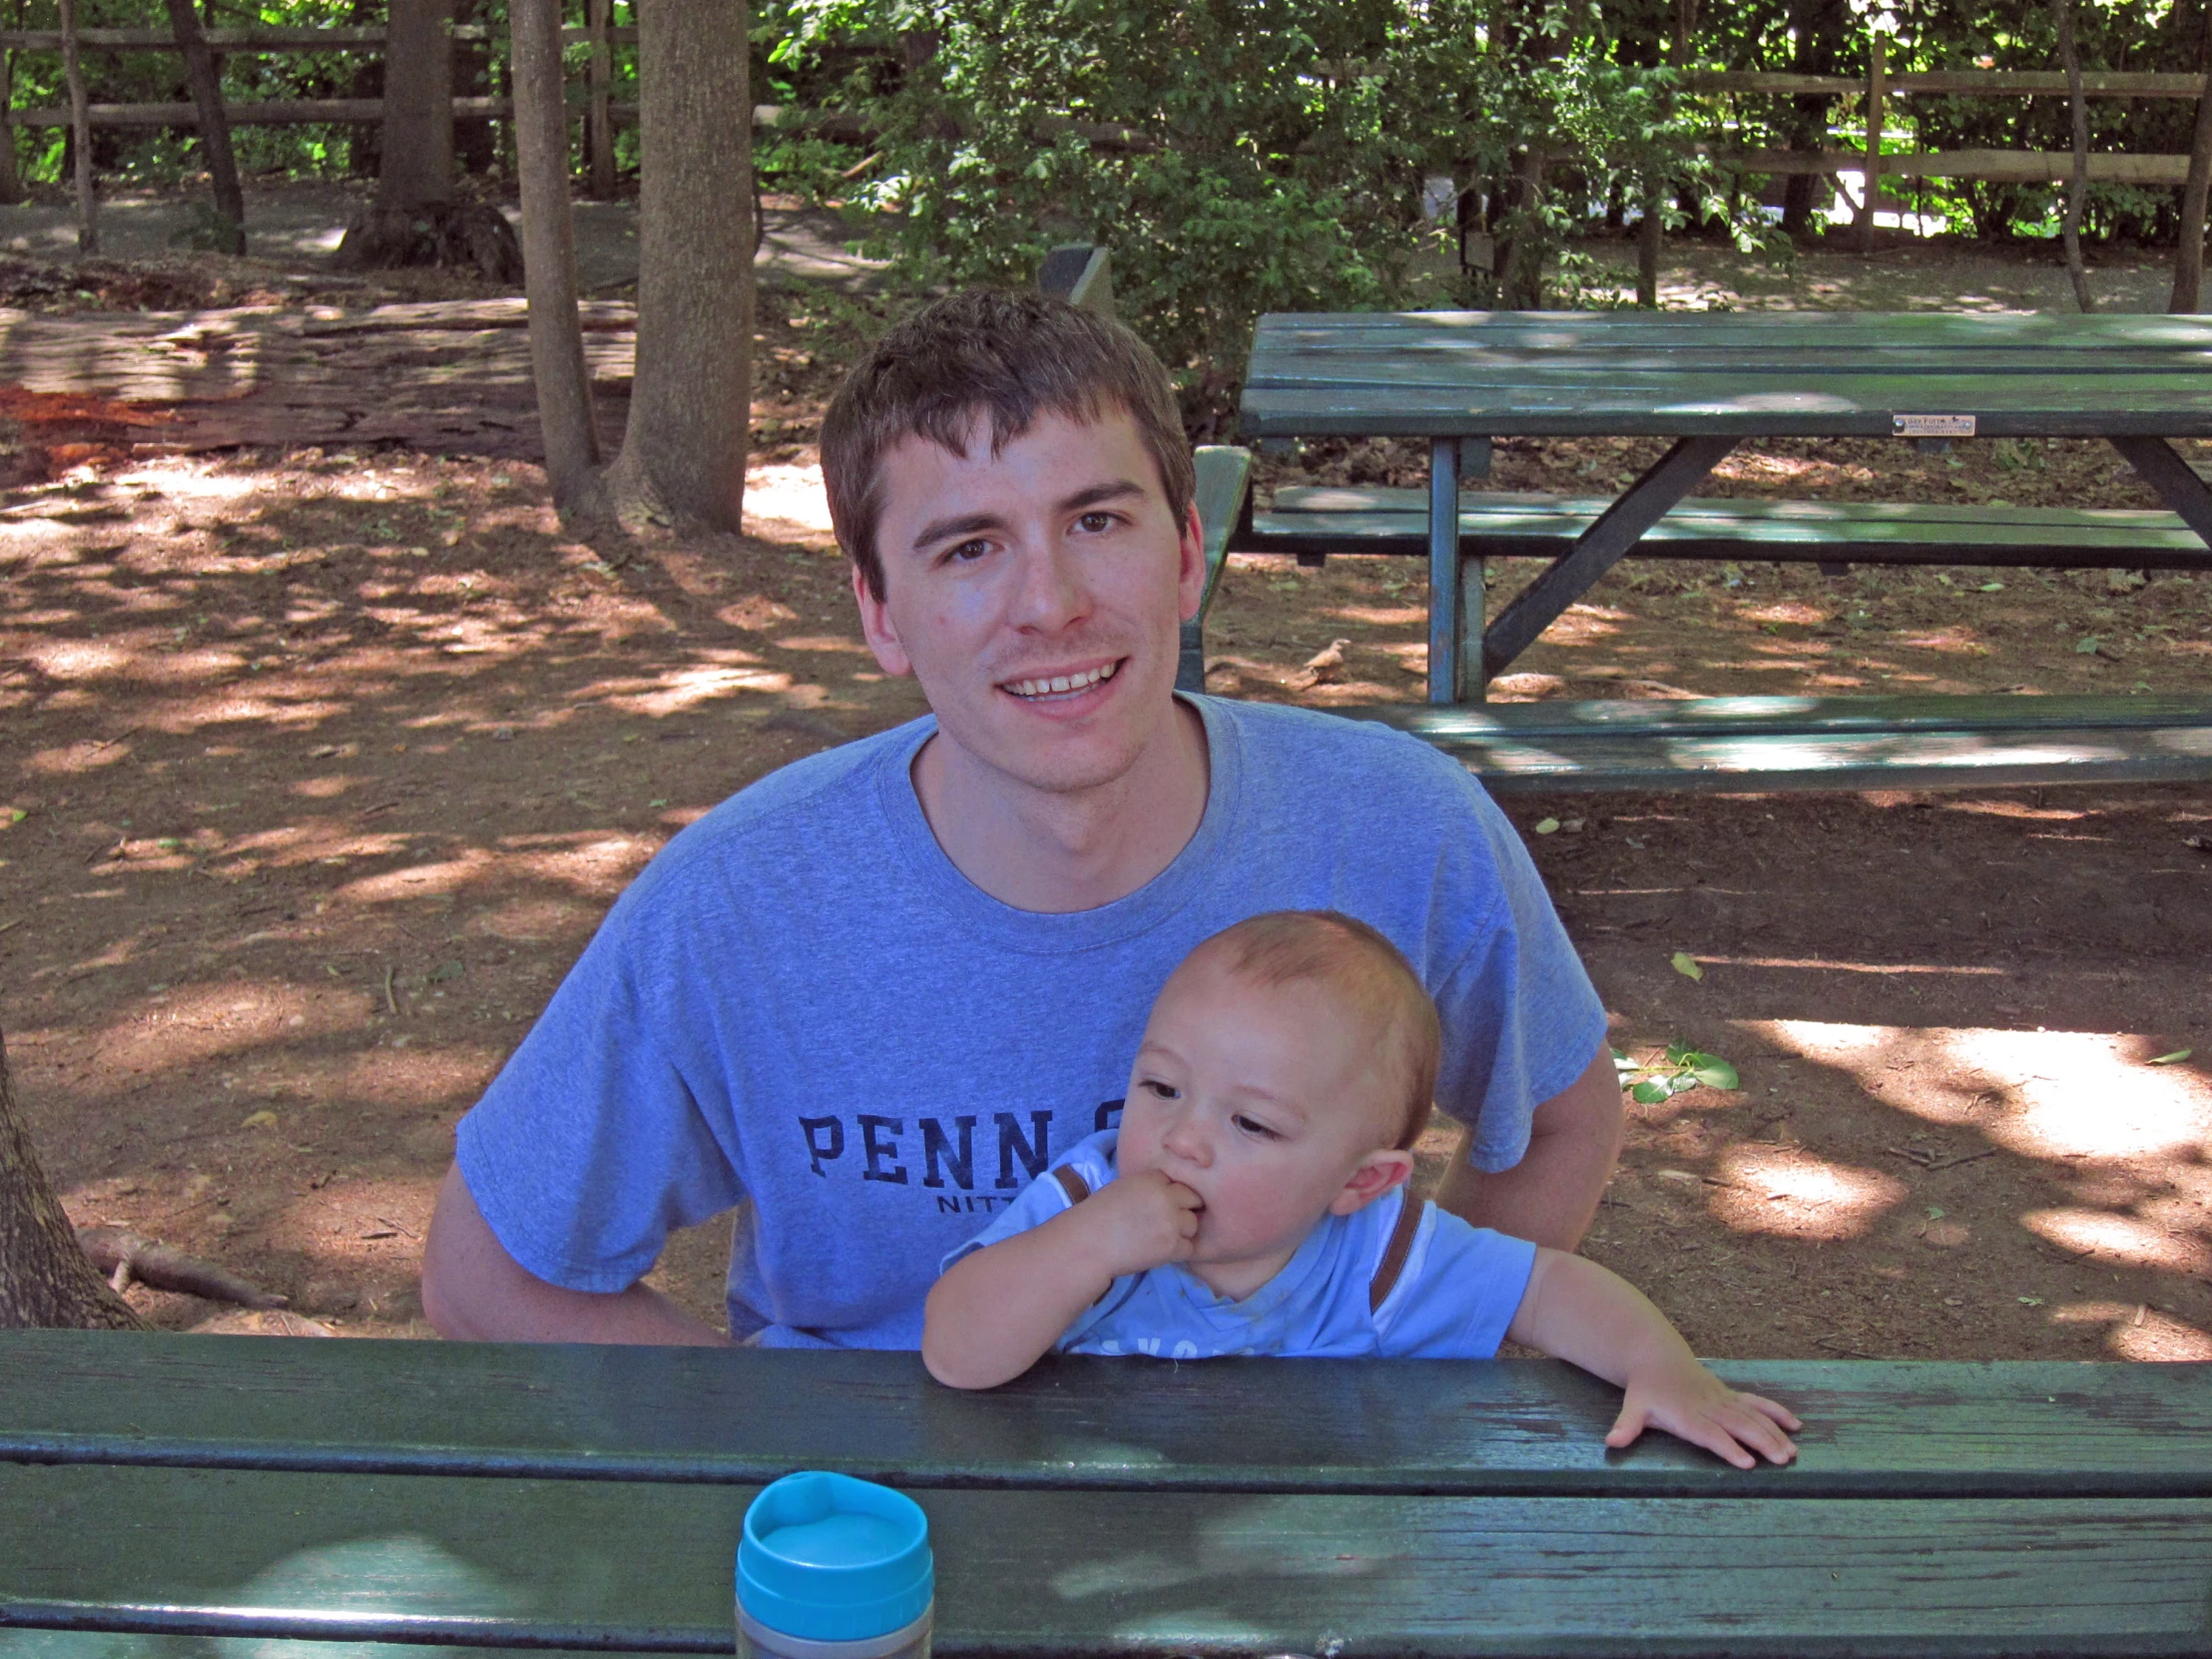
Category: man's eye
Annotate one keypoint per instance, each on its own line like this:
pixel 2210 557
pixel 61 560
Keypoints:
pixel 967 552
pixel 1253 1126
pixel 1095 523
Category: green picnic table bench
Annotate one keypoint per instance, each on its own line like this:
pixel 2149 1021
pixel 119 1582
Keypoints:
pixel 171 1496
pixel 1460 379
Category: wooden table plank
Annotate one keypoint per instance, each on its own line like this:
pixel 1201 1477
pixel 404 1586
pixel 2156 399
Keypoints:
pixel 1318 1425
pixel 1771 375
pixel 646 1568
pixel 1737 763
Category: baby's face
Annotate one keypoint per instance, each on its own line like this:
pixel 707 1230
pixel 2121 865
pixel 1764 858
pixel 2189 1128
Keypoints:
pixel 1264 1102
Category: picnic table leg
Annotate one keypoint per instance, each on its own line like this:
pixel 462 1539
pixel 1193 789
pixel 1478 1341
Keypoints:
pixel 1445 631
pixel 2174 479
pixel 1597 550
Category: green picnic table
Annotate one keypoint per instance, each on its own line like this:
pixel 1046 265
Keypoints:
pixel 1708 383
pixel 180 1498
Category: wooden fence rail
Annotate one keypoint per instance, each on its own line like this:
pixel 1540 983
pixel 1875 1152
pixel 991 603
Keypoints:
pixel 333 39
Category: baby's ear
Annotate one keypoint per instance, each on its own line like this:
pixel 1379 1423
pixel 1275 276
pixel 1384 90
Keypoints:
pixel 1375 1174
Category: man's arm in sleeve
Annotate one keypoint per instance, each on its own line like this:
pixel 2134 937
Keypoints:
pixel 1551 1195
pixel 474 1290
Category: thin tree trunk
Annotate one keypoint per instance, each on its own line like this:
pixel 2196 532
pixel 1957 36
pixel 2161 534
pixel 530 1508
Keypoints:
pixel 682 453
pixel 2189 253
pixel 599 126
pixel 416 163
pixel 44 1279
pixel 80 134
pixel 2078 187
pixel 215 127
pixel 11 180
pixel 549 257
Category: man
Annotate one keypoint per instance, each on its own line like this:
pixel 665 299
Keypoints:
pixel 870 996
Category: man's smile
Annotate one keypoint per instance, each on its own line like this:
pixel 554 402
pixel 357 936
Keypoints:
pixel 1060 684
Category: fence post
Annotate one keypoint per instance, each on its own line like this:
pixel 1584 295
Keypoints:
pixel 600 122
pixel 80 134
pixel 1873 175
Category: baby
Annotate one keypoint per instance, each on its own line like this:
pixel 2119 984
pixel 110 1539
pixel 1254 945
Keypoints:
pixel 1254 1199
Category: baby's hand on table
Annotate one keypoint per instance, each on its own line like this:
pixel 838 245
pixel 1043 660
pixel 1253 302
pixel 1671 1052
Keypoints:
pixel 1141 1221
pixel 1691 1403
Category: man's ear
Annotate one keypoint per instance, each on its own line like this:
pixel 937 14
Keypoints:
pixel 1375 1174
pixel 878 630
pixel 1190 579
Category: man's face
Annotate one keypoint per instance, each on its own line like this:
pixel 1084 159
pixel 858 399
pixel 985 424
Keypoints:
pixel 1035 594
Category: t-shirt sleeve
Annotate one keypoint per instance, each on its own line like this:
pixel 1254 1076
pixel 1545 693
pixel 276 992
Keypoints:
pixel 1458 1292
pixel 1523 1019
pixel 1091 1158
pixel 1035 1205
pixel 590 1146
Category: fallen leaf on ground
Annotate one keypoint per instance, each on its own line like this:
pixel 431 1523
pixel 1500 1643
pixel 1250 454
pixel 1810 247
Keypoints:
pixel 2173 1059
pixel 1686 966
pixel 1547 826
pixel 261 1120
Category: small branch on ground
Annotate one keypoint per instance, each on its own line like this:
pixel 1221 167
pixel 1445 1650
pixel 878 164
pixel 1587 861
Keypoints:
pixel 116 1250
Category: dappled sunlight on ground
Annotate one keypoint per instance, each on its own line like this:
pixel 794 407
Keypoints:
pixel 1787 1190
pixel 325 770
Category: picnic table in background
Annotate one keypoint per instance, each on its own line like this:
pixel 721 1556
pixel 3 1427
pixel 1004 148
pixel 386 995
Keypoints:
pixel 382 1495
pixel 1708 383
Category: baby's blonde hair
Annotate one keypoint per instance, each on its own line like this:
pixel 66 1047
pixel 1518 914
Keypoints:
pixel 1363 971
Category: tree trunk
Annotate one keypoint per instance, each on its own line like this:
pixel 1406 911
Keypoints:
pixel 44 1277
pixel 2078 187
pixel 599 126
pixel 682 453
pixel 2189 253
pixel 215 127
pixel 549 257
pixel 416 164
pixel 1520 250
pixel 80 134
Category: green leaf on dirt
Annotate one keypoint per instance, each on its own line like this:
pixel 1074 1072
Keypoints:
pixel 2173 1059
pixel 1935 1211
pixel 1990 587
pixel 261 1120
pixel 1651 1092
pixel 1686 966
pixel 1622 1062
pixel 1713 1071
pixel 1547 826
pixel 445 971
pixel 2086 646
pixel 12 817
pixel 2030 1301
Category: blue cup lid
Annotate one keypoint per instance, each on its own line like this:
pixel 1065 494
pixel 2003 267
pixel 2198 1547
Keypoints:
pixel 829 1558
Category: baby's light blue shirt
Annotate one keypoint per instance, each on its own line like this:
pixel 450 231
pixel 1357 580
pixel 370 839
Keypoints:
pixel 1453 1300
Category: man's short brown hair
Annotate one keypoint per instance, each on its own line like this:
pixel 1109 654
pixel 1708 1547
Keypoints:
pixel 995 353
pixel 1362 970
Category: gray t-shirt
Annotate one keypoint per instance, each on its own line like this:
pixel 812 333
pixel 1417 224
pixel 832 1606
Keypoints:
pixel 803 1007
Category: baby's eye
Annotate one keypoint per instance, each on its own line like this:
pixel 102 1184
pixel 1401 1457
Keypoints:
pixel 1253 1126
pixel 1162 1091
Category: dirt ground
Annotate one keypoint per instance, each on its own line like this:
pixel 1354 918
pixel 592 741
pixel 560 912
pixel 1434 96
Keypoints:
pixel 319 769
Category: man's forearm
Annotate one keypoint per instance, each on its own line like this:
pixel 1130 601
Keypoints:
pixel 1552 1192
pixel 474 1290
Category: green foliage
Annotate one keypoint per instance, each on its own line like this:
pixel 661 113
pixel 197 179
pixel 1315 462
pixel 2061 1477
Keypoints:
pixel 1683 1069
pixel 1238 155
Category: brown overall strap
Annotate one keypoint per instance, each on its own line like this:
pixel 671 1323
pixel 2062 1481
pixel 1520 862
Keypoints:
pixel 1072 1184
pixel 1395 1252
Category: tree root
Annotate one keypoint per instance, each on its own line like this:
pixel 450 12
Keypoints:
pixel 116 1250
pixel 466 236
